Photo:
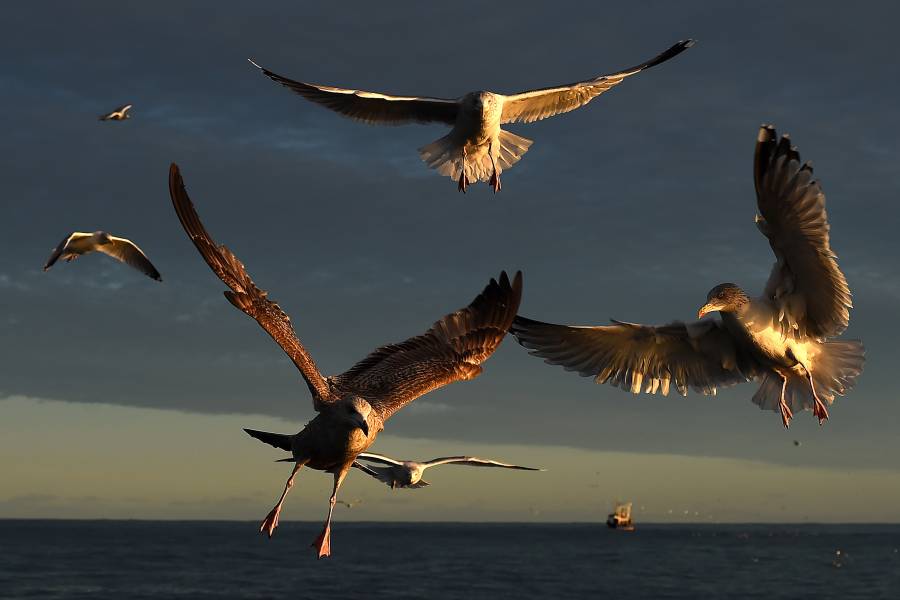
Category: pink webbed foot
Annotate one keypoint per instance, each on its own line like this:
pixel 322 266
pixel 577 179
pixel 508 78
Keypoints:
pixel 786 415
pixel 323 542
pixel 820 411
pixel 463 182
pixel 495 182
pixel 270 523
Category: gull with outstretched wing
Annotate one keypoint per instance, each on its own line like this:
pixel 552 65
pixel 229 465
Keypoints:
pixel 120 114
pixel 79 243
pixel 408 473
pixel 354 405
pixel 781 338
pixel 476 149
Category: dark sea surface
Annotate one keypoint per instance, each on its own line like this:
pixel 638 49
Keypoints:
pixel 190 559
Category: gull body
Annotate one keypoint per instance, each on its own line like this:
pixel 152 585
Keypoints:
pixel 79 243
pixel 477 148
pixel 354 405
pixel 783 338
pixel 408 473
pixel 120 114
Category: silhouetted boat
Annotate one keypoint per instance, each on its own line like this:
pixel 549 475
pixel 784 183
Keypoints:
pixel 620 518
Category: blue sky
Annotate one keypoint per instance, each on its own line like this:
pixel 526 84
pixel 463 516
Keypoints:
pixel 631 208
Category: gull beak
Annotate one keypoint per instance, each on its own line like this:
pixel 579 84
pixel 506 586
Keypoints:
pixel 706 309
pixel 360 422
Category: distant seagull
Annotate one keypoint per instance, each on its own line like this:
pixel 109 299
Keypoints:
pixel 354 405
pixel 780 338
pixel 408 473
pixel 350 504
pixel 126 251
pixel 120 114
pixel 476 149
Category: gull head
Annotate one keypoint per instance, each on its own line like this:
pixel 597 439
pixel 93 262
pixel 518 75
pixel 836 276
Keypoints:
pixel 480 102
pixel 101 237
pixel 725 297
pixel 356 411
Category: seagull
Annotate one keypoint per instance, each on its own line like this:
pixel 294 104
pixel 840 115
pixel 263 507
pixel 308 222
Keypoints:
pixel 408 473
pixel 77 243
pixel 782 338
pixel 354 405
pixel 120 114
pixel 476 149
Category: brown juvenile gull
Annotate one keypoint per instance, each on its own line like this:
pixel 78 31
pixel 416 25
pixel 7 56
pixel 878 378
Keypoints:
pixel 780 338
pixel 408 473
pixel 120 114
pixel 78 243
pixel 354 405
pixel 476 149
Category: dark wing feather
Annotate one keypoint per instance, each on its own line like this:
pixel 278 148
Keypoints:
pixel 452 350
pixel 535 105
pixel 371 107
pixel 129 253
pixel 806 284
pixel 57 252
pixel 244 294
pixel 640 358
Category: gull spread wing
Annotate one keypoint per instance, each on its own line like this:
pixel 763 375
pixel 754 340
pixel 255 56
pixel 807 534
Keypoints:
pixel 473 461
pixel 807 286
pixel 699 355
pixel 379 458
pixel 244 294
pixel 371 107
pixel 452 350
pixel 129 253
pixel 527 107
pixel 61 247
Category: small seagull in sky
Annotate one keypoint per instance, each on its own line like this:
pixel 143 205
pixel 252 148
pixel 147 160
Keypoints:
pixel 476 149
pixel 78 243
pixel 120 114
pixel 408 473
pixel 782 338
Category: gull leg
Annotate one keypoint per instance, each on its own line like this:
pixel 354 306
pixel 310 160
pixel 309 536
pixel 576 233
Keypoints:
pixel 495 176
pixel 786 414
pixel 819 409
pixel 271 521
pixel 322 543
pixel 463 180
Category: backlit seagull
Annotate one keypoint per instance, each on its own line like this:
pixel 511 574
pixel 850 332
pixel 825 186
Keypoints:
pixel 120 114
pixel 78 243
pixel 476 149
pixel 783 338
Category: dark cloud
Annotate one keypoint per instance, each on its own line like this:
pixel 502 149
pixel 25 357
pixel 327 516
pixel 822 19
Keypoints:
pixel 631 208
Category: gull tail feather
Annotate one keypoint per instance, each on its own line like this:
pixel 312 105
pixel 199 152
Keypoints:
pixel 835 368
pixel 278 440
pixel 446 156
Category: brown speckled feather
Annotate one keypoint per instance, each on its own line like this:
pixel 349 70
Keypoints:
pixel 452 350
pixel 244 294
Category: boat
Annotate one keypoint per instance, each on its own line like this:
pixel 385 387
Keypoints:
pixel 620 518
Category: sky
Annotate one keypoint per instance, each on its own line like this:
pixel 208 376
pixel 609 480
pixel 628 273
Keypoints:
pixel 630 208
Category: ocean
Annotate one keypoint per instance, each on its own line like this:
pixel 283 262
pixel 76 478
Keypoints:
pixel 202 559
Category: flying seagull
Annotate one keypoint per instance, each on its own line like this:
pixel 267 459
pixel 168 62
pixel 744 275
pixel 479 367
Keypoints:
pixel 354 405
pixel 408 473
pixel 781 338
pixel 77 243
pixel 120 114
pixel 476 149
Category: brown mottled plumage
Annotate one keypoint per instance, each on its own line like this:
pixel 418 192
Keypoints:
pixel 778 338
pixel 354 405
